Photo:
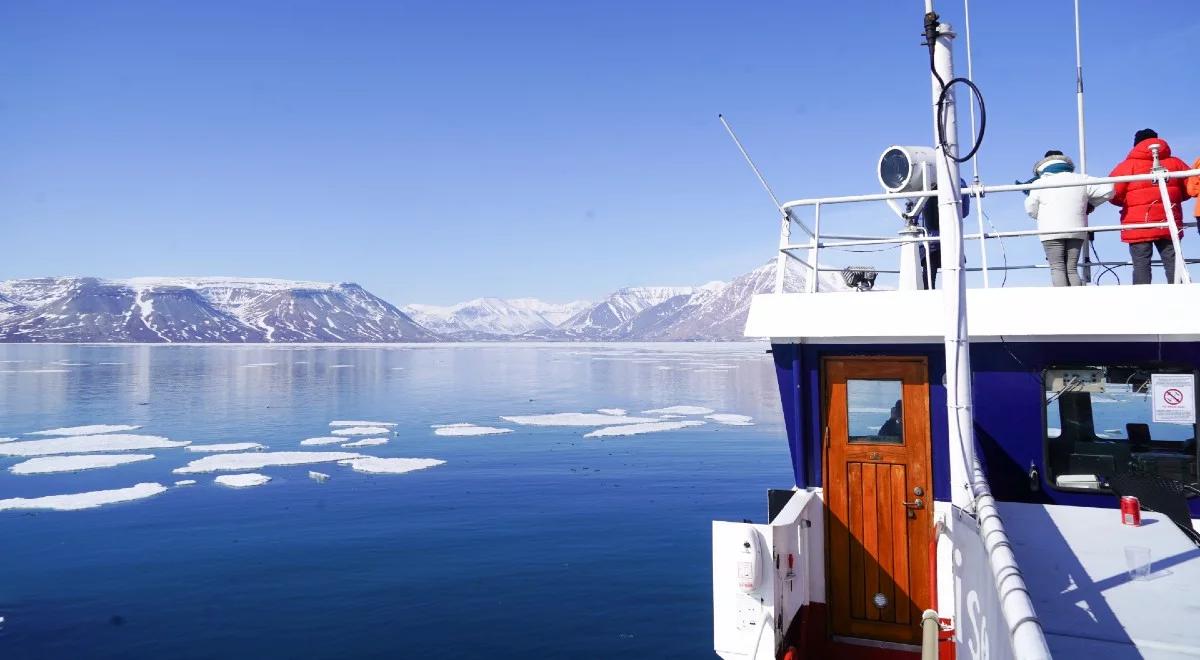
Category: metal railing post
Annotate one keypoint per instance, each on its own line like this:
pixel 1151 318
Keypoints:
pixel 813 285
pixel 1181 273
pixel 785 237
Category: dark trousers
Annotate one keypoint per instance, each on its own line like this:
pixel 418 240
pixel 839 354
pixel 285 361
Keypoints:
pixel 930 265
pixel 1141 253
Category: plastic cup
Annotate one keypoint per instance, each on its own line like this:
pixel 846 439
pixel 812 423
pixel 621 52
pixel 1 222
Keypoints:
pixel 1137 562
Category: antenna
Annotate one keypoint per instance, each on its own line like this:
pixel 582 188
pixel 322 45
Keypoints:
pixel 1079 94
pixel 766 186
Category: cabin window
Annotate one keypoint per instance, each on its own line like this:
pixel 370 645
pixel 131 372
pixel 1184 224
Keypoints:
pixel 874 411
pixel 1106 420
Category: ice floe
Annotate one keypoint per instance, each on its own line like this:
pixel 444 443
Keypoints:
pixel 34 371
pixel 341 366
pixel 227 446
pixel 7 439
pixel 242 480
pixel 326 440
pixel 90 429
pixel 374 465
pixel 88 500
pixel 680 410
pixel 731 419
pixel 86 444
pixel 319 477
pixel 466 429
pixel 611 411
pixel 575 419
pixel 260 364
pixel 53 464
pixel 343 422
pixel 362 430
pixel 638 429
pixel 186 482
pixel 258 460
pixel 367 442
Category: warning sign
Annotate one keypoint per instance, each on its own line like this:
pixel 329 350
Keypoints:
pixel 1174 398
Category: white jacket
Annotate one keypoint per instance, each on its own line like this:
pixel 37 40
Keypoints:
pixel 1065 209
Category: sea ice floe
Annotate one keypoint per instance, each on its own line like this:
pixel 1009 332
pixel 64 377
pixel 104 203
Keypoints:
pixel 638 429
pixel 186 482
pixel 374 465
pixel 367 442
pixel 34 371
pixel 326 440
pixel 731 419
pixel 88 500
pixel 69 364
pixel 343 422
pixel 466 429
pixel 259 460
pixel 52 464
pixel 242 480
pixel 680 410
pixel 86 444
pixel 341 366
pixel 260 364
pixel 575 419
pixel 319 477
pixel 227 446
pixel 7 439
pixel 90 429
pixel 362 430
pixel 611 411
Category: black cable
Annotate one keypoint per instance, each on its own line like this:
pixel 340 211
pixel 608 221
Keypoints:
pixel 931 28
pixel 1107 269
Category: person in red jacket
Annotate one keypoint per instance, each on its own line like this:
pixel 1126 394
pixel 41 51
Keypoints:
pixel 1141 203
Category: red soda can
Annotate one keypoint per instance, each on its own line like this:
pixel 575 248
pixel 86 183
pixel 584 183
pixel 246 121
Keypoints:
pixel 1131 511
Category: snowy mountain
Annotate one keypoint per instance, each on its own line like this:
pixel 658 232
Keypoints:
pixel 218 310
pixel 493 318
pixel 599 321
pixel 87 309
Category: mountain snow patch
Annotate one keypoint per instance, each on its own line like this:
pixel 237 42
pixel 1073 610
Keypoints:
pixel 731 420
pixel 362 430
pixel 228 446
pixel 638 429
pixel 242 480
pixel 467 429
pixel 54 464
pixel 374 465
pixel 575 419
pixel 90 429
pixel 86 444
pixel 367 442
pixel 680 410
pixel 259 460
pixel 88 500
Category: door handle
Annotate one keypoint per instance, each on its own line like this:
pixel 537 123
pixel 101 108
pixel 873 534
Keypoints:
pixel 916 504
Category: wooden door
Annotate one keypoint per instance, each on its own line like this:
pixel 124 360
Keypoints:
pixel 878 497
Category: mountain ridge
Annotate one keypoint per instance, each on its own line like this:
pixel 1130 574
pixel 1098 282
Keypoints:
pixel 266 310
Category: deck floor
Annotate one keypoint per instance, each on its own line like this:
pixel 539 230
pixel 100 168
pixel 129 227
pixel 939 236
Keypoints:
pixel 1073 560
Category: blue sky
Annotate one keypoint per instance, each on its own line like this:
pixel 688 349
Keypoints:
pixel 438 151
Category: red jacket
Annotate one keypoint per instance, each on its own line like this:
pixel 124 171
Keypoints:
pixel 1140 201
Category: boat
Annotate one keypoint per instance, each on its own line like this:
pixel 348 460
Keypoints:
pixel 966 458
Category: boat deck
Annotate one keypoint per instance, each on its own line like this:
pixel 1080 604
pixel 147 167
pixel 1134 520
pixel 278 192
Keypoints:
pixel 1073 560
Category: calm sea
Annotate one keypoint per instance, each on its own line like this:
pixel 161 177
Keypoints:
pixel 534 544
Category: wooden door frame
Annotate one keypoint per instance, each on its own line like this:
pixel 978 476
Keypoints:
pixel 826 442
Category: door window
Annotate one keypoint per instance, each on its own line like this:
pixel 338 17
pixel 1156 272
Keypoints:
pixel 875 411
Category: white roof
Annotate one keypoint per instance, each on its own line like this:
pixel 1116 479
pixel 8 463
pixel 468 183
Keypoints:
pixel 1165 312
pixel 1073 561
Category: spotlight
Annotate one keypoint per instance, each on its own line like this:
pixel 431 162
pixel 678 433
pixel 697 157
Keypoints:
pixel 859 277
pixel 904 169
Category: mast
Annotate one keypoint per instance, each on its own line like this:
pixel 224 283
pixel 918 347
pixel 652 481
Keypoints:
pixel 1087 240
pixel 959 415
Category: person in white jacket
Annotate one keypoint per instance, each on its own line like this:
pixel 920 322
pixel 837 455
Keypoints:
pixel 1063 212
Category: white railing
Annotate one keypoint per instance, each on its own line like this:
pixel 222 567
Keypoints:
pixel 787 249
